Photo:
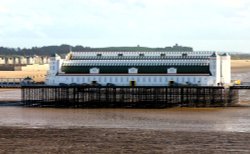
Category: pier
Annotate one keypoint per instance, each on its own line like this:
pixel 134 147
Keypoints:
pixel 242 86
pixel 10 82
pixel 128 97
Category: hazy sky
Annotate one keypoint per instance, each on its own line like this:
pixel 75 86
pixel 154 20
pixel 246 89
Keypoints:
pixel 202 24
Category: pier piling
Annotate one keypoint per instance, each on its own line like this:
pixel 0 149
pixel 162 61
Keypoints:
pixel 125 97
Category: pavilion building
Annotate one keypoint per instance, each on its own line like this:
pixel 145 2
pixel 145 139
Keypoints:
pixel 137 68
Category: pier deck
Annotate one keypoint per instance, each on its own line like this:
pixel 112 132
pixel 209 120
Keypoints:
pixel 126 96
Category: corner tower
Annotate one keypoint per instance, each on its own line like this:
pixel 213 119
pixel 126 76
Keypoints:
pixel 54 69
pixel 214 67
pixel 55 64
pixel 226 68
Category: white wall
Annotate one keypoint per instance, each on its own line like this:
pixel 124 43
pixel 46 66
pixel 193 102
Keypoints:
pixel 215 69
pixel 219 67
pixel 125 80
pixel 2 60
pixel 226 69
pixel 55 65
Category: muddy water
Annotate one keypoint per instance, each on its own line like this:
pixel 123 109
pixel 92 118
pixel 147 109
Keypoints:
pixel 243 76
pixel 10 94
pixel 176 119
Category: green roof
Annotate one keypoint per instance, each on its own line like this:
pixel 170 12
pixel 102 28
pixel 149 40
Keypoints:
pixel 141 69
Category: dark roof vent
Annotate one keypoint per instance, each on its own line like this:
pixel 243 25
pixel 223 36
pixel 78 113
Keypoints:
pixel 214 54
pixel 27 78
pixel 53 55
pixel 225 54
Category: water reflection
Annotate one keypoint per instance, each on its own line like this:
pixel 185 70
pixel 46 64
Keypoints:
pixel 243 76
pixel 10 94
pixel 177 119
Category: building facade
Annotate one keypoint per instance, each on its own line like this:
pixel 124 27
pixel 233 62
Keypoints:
pixel 23 60
pixel 148 68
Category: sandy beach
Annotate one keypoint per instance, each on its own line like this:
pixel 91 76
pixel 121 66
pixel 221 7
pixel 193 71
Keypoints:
pixel 240 65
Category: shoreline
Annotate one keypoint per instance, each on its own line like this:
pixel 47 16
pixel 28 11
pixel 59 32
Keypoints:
pixel 240 66
pixel 19 104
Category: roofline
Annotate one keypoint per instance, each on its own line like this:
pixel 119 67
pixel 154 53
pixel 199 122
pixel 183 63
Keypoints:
pixel 126 74
pixel 138 51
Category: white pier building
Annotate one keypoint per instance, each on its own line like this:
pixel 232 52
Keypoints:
pixel 148 68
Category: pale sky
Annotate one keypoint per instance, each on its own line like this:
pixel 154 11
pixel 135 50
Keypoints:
pixel 222 25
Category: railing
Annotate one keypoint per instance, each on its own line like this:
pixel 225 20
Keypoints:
pixel 10 85
pixel 10 82
pixel 243 85
pixel 121 96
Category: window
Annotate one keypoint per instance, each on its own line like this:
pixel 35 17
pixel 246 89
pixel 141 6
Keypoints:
pixel 99 55
pixel 184 55
pixel 120 55
pixel 141 54
pixel 133 70
pixel 94 70
pixel 163 55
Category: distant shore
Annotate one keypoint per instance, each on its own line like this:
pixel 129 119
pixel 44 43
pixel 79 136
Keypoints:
pixel 240 66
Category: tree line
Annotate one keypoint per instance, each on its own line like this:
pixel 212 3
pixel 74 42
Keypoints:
pixel 64 49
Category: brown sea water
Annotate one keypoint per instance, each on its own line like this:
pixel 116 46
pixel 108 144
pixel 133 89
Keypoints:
pixel 235 119
pixel 10 94
pixel 243 75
